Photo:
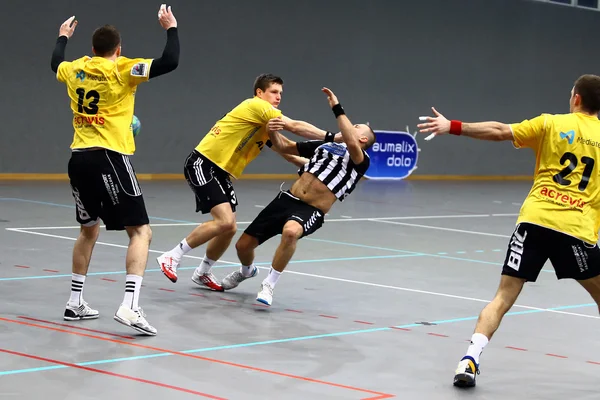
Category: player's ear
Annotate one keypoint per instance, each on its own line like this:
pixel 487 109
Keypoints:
pixel 119 51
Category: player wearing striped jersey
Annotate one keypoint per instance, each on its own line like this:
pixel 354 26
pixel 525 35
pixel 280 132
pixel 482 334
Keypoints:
pixel 329 172
pixel 225 151
pixel 559 219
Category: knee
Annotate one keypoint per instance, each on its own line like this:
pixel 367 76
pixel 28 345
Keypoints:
pixel 292 231
pixel 245 244
pixel 143 232
pixel 227 226
pixel 90 232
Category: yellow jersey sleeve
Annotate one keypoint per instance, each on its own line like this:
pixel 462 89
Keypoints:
pixel 263 111
pixel 529 132
pixel 135 70
pixel 63 70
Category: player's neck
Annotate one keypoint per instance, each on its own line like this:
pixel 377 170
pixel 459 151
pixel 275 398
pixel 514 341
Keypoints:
pixel 581 111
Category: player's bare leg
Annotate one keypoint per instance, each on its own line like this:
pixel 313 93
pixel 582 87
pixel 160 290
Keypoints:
pixel 245 250
pixel 487 324
pixel 292 231
pixel 130 313
pixel 77 308
pixel 214 251
pixel 592 285
pixel 223 224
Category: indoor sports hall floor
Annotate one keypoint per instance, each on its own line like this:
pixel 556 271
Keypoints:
pixel 379 303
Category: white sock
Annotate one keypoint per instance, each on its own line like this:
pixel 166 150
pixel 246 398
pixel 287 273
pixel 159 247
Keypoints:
pixel 76 289
pixel 205 265
pixel 478 342
pixel 273 277
pixel 181 249
pixel 247 270
pixel 133 284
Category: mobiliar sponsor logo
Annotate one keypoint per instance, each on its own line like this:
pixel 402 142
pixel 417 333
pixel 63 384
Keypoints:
pixel 394 155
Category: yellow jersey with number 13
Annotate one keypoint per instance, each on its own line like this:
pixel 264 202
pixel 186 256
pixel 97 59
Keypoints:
pixel 565 195
pixel 238 138
pixel 102 94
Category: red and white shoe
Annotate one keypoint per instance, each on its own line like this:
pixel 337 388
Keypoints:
pixel 207 279
pixel 168 265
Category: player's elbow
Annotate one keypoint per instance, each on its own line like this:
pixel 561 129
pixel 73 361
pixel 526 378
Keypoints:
pixel 502 133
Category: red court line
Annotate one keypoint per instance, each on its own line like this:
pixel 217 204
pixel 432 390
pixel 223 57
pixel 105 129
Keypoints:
pixel 50 270
pixel 108 279
pixel 555 355
pixel 296 311
pixel 197 294
pixel 327 316
pixel 593 362
pixel 229 300
pixel 400 329
pixel 515 348
pixel 363 322
pixel 436 334
pixel 22 266
pixel 99 371
pixel 77 327
pixel 166 290
pixel 379 396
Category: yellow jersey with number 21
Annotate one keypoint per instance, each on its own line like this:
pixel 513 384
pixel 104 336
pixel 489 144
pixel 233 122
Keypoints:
pixel 102 94
pixel 238 138
pixel 565 195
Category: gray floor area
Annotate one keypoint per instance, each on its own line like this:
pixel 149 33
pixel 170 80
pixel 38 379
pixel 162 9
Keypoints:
pixel 377 304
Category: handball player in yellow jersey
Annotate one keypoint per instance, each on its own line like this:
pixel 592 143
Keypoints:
pixel 104 184
pixel 560 217
pixel 226 149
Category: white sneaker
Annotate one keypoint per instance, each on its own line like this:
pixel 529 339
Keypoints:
pixel 265 295
pixel 77 312
pixel 168 265
pixel 207 279
pixel 466 373
pixel 236 277
pixel 134 319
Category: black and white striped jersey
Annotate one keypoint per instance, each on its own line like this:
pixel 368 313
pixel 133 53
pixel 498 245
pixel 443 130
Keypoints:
pixel 332 165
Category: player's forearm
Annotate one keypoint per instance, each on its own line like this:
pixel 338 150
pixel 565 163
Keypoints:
pixel 58 55
pixel 281 144
pixel 170 56
pixel 490 130
pixel 296 160
pixel 306 130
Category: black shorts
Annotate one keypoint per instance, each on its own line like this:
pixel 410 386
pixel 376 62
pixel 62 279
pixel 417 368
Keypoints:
pixel 285 207
pixel 104 185
pixel 532 245
pixel 210 184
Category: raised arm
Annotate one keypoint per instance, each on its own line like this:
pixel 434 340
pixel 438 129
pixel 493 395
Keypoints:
pixel 170 56
pixel 64 34
pixel 490 130
pixel 350 134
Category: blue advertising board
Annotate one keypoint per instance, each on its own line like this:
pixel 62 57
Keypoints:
pixel 393 156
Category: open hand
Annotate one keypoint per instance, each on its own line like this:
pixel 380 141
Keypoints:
pixel 166 18
pixel 68 27
pixel 331 97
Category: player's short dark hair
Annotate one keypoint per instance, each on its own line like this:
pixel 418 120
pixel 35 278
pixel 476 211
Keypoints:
pixel 372 138
pixel 264 81
pixel 588 87
pixel 106 40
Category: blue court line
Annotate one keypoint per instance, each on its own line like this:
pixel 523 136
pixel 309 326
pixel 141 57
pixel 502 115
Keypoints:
pixel 275 341
pixel 72 207
pixel 22 278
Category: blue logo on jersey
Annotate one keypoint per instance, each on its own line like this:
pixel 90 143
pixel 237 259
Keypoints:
pixel 80 75
pixel 337 149
pixel 569 135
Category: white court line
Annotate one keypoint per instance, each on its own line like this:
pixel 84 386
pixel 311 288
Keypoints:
pixel 102 243
pixel 333 278
pixel 442 229
pixel 326 220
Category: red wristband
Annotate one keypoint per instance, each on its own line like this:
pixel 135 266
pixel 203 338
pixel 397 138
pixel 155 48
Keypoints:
pixel 455 127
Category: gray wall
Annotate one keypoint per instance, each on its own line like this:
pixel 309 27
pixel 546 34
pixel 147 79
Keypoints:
pixel 388 61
